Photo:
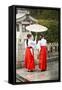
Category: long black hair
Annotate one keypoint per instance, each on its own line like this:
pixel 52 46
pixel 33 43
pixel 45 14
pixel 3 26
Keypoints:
pixel 28 36
pixel 27 42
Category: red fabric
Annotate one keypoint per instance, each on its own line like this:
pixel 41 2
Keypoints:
pixel 29 59
pixel 43 58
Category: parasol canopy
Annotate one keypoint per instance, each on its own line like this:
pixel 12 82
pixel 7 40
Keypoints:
pixel 36 28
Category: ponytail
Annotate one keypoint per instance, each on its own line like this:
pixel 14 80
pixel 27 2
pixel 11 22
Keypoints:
pixel 27 42
pixel 28 36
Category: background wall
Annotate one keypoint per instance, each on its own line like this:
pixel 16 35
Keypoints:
pixel 4 44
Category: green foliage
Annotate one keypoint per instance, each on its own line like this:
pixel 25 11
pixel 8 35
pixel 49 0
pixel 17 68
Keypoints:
pixel 52 33
pixel 48 18
pixel 45 13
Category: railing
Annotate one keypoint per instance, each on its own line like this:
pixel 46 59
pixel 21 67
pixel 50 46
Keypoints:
pixel 52 47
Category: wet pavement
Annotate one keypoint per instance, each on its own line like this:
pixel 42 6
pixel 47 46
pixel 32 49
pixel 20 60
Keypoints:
pixel 51 73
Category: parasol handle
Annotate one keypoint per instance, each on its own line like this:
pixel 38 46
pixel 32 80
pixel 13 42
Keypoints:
pixel 36 36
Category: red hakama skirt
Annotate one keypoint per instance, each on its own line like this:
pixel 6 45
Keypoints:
pixel 29 59
pixel 43 58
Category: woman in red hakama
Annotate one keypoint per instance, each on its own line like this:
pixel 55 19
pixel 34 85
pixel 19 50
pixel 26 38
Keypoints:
pixel 43 54
pixel 29 54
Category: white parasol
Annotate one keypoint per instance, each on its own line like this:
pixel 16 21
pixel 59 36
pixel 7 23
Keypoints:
pixel 36 28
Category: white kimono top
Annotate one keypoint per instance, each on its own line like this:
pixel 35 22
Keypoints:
pixel 42 42
pixel 31 43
